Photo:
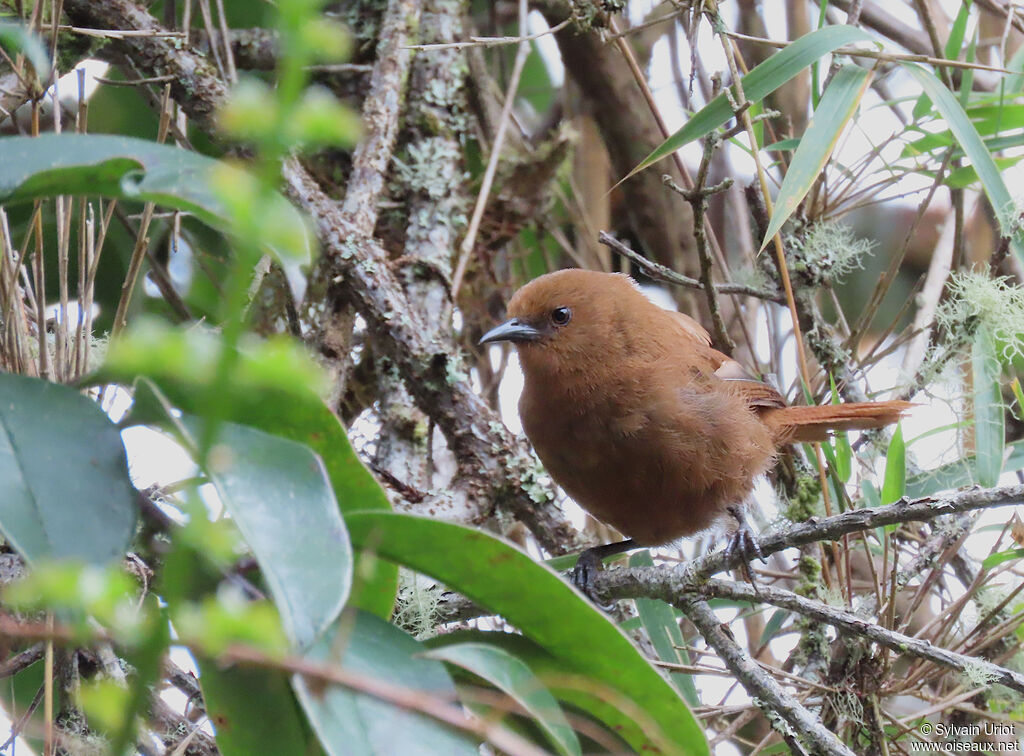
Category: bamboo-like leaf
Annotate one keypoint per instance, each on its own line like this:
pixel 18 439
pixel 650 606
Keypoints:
pixel 837 106
pixel 989 419
pixel 1018 394
pixel 1002 556
pixel 759 83
pixel 659 620
pixel 895 483
pixel 952 52
pixel 969 140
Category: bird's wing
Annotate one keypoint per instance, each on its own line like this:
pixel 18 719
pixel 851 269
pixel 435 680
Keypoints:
pixel 710 361
pixel 757 393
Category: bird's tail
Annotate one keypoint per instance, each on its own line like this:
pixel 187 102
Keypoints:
pixel 790 424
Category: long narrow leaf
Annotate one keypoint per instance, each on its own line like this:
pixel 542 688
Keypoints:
pixel 759 83
pixel 837 106
pixel 659 620
pixel 989 419
pixel 895 483
pixel 970 141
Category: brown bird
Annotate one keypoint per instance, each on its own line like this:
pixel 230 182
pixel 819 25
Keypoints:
pixel 640 420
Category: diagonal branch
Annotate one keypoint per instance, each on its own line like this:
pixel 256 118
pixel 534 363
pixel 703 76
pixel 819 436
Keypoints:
pixel 766 692
pixel 848 622
pixel 499 470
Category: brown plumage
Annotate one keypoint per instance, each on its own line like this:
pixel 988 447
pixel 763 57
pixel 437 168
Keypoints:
pixel 638 418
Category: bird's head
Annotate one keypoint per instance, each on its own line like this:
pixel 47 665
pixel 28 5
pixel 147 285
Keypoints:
pixel 568 311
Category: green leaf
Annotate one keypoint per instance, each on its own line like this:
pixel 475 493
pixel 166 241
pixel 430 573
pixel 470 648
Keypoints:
pixel 135 169
pixel 659 620
pixel 1018 395
pixel 269 722
pixel 773 625
pixel 959 473
pixel 623 718
pixel 498 576
pixel 837 106
pixel 969 140
pixel 65 492
pixel 989 419
pixel 278 494
pixel 352 723
pixel 276 389
pixel 895 482
pixel 843 453
pixel 965 176
pixel 952 51
pixel 1002 556
pixel 15 38
pixel 958 31
pixel 758 84
pixel 514 678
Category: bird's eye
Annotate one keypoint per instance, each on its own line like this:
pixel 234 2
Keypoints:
pixel 560 316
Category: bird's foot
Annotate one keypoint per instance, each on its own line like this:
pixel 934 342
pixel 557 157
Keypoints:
pixel 742 543
pixel 590 563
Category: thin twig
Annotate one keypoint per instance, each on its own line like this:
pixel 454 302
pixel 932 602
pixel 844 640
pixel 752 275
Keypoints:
pixel 875 55
pixel 851 623
pixel 466 248
pixel 492 41
pixel 767 693
pixel 661 273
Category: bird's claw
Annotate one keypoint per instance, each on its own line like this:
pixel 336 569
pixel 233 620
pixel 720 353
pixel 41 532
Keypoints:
pixel 582 575
pixel 743 544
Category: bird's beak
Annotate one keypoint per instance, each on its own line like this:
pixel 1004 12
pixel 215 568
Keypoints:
pixel 511 330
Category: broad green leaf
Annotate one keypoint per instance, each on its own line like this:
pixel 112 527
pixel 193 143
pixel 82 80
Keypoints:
pixel 498 576
pixel 622 718
pixel 895 483
pixel 513 677
pixel 279 497
pixel 837 106
pixel 15 38
pixel 65 492
pixel 248 723
pixel 1002 556
pixel 758 84
pixel 353 723
pixel 989 419
pixel 135 169
pixel 969 140
pixel 659 620
pixel 276 389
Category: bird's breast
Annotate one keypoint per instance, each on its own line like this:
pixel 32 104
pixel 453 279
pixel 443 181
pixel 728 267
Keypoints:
pixel 655 461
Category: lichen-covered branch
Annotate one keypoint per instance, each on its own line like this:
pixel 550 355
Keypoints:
pixel 773 701
pixel 503 472
pixel 849 622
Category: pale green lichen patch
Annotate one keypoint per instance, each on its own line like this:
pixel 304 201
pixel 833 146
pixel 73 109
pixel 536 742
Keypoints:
pixel 977 300
pixel 827 251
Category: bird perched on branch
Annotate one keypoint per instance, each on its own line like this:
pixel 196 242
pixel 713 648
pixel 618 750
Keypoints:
pixel 641 421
